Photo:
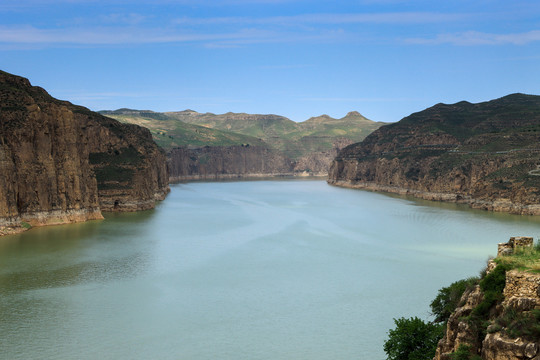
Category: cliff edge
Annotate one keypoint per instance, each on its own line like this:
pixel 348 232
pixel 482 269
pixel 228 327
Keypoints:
pixel 485 154
pixel 499 317
pixel 63 163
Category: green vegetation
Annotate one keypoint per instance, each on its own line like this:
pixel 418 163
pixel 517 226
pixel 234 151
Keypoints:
pixel 525 324
pixel 110 176
pixel 413 339
pixel 523 259
pixel 189 128
pixel 492 285
pixel 25 225
pixel 123 156
pixel 464 352
pixel 448 298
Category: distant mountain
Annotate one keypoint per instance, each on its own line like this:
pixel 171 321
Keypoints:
pixel 484 154
pixel 293 139
pixel 310 146
pixel 169 133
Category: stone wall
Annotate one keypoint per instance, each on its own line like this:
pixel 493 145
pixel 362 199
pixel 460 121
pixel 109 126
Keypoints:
pixel 514 242
pixel 522 290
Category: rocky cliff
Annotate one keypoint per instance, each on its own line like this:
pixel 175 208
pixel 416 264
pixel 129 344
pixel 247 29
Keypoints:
pixel 499 321
pixel 63 163
pixel 484 154
pixel 245 161
pixel 226 162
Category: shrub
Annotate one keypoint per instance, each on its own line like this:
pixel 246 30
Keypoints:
pixel 464 353
pixel 492 285
pixel 413 339
pixel 447 299
pixel 520 324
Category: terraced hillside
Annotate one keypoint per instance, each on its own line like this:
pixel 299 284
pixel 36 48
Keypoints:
pixel 484 154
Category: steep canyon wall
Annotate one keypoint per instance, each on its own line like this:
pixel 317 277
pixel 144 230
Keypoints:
pixel 63 163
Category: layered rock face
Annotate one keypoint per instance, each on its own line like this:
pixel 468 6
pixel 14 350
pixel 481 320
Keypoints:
pixel 131 170
pixel 63 163
pixel 226 162
pixel 484 154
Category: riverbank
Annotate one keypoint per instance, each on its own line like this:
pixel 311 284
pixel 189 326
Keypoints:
pixel 242 177
pixel 499 205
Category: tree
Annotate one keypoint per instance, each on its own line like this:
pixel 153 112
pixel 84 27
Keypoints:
pixel 413 339
pixel 448 298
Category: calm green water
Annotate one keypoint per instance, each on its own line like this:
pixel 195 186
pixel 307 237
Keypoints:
pixel 239 270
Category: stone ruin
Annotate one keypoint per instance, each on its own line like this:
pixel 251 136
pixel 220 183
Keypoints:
pixel 522 289
pixel 514 242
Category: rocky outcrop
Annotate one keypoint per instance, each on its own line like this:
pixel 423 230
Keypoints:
pixel 482 154
pixel 505 331
pixel 63 163
pixel 226 162
pixel 458 330
pixel 498 347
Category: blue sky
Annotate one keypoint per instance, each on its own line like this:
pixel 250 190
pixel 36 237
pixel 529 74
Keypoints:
pixel 296 58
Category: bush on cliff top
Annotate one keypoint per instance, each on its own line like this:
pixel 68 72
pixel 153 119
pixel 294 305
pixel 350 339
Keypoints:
pixel 448 298
pixel 464 352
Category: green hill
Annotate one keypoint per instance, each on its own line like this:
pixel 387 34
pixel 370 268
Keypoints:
pixel 168 132
pixel 293 139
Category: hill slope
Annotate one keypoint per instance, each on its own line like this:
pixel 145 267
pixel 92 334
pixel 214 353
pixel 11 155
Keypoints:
pixel 293 139
pixel 170 133
pixel 485 154
pixel 277 145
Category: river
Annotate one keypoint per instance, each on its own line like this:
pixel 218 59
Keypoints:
pixel 240 270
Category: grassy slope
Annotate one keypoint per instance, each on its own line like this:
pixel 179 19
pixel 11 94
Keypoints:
pixel 294 139
pixel 169 133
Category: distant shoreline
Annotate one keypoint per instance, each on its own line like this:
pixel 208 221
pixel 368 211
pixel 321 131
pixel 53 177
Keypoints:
pixel 241 177
pixel 500 205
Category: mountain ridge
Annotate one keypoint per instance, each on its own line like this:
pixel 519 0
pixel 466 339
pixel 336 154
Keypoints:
pixel 484 154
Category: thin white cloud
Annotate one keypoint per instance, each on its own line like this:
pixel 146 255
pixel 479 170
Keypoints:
pixel 329 19
pixel 113 36
pixel 479 38
pixel 28 36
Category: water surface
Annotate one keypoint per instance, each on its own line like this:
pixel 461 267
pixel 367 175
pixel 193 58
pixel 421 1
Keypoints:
pixel 240 270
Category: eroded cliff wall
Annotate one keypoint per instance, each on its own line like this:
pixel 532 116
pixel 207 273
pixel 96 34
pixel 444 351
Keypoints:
pixel 45 175
pixel 226 162
pixel 51 152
